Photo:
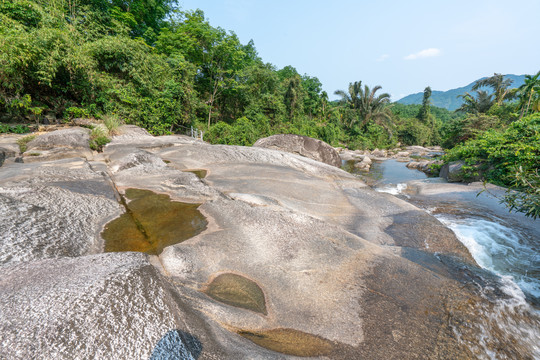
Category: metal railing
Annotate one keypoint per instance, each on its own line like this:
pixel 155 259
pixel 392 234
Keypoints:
pixel 193 132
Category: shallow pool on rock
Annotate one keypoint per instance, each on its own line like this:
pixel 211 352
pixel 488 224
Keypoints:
pixel 236 290
pixel 289 341
pixel 151 223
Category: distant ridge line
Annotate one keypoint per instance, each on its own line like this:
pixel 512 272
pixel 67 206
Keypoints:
pixel 449 99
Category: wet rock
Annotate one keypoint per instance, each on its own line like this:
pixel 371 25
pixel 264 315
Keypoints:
pixel 152 222
pixel 403 154
pixel 346 156
pixel 453 172
pixel 237 290
pixel 424 166
pixel 365 164
pixel 290 342
pixel 379 153
pixel 416 229
pixel 302 145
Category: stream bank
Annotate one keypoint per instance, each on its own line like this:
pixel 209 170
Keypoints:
pixel 505 244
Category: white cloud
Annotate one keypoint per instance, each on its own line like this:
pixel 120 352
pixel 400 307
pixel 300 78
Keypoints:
pixel 423 54
pixel 383 57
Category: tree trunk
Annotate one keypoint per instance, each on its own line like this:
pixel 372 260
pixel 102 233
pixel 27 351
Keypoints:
pixel 212 98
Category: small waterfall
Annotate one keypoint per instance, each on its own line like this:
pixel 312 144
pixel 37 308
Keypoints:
pixel 515 258
pixel 508 321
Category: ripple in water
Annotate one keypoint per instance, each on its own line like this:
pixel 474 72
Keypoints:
pixel 501 250
pixel 507 253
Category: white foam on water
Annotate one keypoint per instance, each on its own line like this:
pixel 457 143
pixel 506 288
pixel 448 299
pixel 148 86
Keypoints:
pixel 499 249
pixel 392 189
pixel 502 250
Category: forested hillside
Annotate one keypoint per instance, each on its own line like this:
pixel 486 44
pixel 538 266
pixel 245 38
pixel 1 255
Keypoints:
pixel 451 99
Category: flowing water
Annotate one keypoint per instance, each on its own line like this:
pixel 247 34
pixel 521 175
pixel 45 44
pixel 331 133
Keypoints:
pixel 506 244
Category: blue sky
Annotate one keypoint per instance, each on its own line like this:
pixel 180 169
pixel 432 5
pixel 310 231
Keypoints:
pixel 403 46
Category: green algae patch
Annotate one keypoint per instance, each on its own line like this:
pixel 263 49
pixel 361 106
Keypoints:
pixel 238 291
pixel 289 341
pixel 201 173
pixel 151 223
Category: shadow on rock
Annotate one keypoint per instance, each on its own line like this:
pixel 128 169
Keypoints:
pixel 177 345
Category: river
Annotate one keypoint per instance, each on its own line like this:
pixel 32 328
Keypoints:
pixel 506 244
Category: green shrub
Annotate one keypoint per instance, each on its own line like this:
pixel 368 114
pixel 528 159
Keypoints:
pixel 524 193
pixel 74 112
pixel 112 123
pixel 16 129
pixel 510 158
pixel 98 138
pixel 22 11
pixel 23 142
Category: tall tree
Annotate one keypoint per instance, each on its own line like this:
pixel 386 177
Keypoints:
pixel 476 105
pixel 500 86
pixel 375 107
pixel 529 91
pixel 293 96
pixel 425 110
pixel 312 101
pixel 219 56
pixel 368 105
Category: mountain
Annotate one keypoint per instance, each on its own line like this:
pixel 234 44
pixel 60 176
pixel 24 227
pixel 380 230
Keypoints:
pixel 449 99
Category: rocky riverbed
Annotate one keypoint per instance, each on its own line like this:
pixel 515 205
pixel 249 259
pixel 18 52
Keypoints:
pixel 291 258
pixel 416 157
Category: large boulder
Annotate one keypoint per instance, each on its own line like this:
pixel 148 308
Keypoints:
pixel 59 144
pixel 454 172
pixel 5 153
pixel 9 147
pixel 302 145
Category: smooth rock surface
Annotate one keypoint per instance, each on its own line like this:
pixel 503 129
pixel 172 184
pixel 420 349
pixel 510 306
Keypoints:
pixel 309 260
pixel 302 145
pixel 108 306
pixel 59 144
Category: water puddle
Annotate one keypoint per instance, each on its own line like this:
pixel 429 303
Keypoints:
pixel 151 223
pixel 289 341
pixel 201 173
pixel 236 290
pixel 389 176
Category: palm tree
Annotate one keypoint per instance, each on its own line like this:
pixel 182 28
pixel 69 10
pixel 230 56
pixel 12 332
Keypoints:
pixel 530 88
pixel 479 105
pixel 368 105
pixel 351 99
pixel 500 86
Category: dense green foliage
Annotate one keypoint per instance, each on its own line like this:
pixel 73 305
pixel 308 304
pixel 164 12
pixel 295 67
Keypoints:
pixel 509 157
pixel 152 65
